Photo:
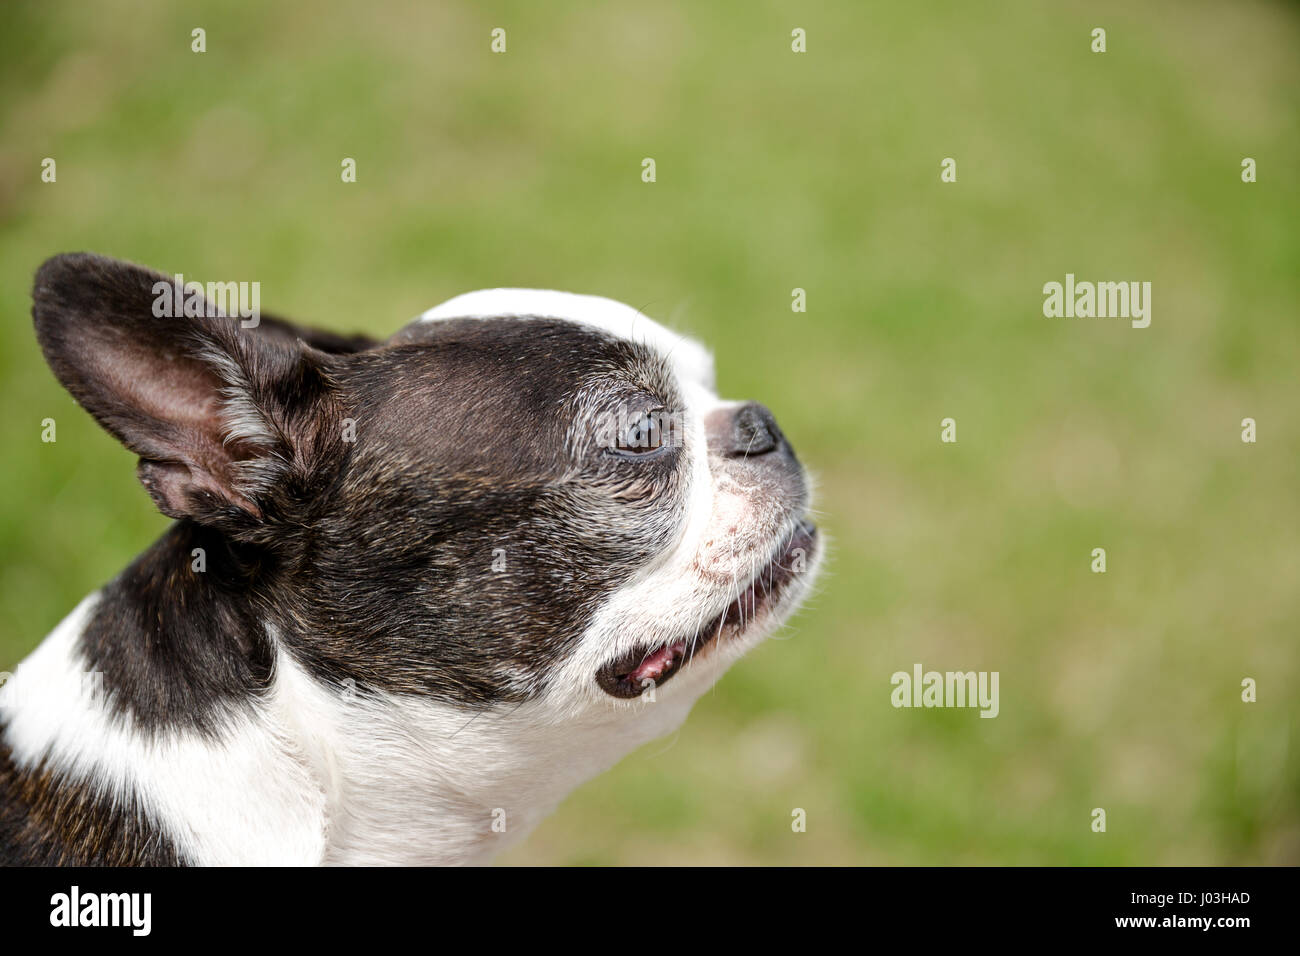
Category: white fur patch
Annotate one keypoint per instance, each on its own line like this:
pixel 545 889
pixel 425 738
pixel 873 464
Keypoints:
pixel 414 782
pixel 245 799
pixel 315 774
pixel 691 359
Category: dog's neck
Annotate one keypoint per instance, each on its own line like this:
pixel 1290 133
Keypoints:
pixel 406 781
pixel 299 771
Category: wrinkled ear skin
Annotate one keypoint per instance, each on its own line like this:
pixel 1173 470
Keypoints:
pixel 235 427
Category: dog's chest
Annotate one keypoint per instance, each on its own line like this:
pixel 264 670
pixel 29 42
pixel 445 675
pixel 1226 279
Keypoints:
pixel 304 775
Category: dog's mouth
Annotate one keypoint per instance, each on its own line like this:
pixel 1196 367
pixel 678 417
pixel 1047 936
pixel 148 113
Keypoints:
pixel 650 665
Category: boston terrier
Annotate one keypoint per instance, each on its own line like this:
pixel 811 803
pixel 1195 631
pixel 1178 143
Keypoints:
pixel 416 590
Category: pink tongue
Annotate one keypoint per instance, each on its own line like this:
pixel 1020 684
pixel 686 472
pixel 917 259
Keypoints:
pixel 655 664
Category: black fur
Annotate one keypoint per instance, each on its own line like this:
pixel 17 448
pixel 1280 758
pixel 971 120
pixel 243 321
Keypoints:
pixel 463 448
pixel 371 559
pixel 49 820
pixel 178 647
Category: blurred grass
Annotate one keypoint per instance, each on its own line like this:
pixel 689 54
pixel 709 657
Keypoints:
pixel 778 170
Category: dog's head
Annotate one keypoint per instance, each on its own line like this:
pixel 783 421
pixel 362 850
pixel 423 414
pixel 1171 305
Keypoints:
pixel 519 497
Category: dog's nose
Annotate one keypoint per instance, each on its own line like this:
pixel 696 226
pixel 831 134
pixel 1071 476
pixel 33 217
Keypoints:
pixel 753 432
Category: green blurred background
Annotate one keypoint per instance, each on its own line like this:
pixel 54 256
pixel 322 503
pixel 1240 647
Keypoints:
pixel 779 170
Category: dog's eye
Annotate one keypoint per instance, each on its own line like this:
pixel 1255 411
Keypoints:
pixel 645 435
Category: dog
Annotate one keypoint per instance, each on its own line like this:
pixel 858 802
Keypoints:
pixel 416 590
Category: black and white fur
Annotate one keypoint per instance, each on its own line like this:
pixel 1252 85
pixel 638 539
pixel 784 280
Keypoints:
pixel 355 678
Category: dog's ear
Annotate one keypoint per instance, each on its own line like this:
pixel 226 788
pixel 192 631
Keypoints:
pixel 222 416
